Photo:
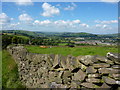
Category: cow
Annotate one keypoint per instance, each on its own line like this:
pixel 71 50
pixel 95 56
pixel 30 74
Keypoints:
pixel 43 47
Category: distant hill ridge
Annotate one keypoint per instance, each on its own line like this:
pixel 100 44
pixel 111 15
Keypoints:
pixel 60 34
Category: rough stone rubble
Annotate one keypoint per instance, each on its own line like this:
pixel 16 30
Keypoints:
pixel 57 71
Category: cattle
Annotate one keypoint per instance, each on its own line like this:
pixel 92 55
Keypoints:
pixel 71 46
pixel 44 47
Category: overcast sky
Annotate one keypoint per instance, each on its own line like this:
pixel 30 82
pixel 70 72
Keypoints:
pixel 91 17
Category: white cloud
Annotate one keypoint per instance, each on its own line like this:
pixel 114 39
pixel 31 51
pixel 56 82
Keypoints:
pixel 58 23
pixel 84 25
pixel 25 18
pixel 49 10
pixel 4 19
pixel 46 22
pixel 106 22
pixel 70 7
pixel 98 25
pixel 109 0
pixel 36 22
pixel 14 24
pixel 76 21
pixel 24 2
pixel 103 26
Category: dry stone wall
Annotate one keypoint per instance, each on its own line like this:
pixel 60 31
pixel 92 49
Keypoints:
pixel 57 71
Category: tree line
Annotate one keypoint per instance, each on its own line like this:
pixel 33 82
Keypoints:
pixel 13 39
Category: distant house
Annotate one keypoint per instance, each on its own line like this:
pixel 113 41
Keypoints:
pixel 80 38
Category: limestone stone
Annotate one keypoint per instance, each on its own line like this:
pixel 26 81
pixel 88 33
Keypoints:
pixel 104 59
pixel 93 80
pixel 41 81
pixel 118 82
pixel 91 69
pixel 66 73
pixel 86 59
pixel 58 80
pixel 101 65
pixel 45 85
pixel 66 80
pixel 52 74
pixel 66 77
pixel 72 62
pixel 108 70
pixel 55 85
pixel 114 57
pixel 108 80
pixel 89 85
pixel 74 85
pixel 115 76
pixel 104 85
pixel 64 62
pixel 93 75
pixel 56 60
pixel 80 75
pixel 82 66
pixel 52 57
pixel 116 66
pixel 49 62
pixel 60 74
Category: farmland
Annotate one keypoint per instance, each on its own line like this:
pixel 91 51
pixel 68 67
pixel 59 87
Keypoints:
pixel 75 51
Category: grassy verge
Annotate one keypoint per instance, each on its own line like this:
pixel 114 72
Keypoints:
pixel 76 51
pixel 9 72
pixel 0 69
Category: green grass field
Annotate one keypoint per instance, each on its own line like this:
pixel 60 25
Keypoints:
pixel 0 69
pixel 9 72
pixel 76 51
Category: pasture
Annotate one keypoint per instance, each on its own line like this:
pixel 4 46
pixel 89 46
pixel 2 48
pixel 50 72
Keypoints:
pixel 9 72
pixel 75 51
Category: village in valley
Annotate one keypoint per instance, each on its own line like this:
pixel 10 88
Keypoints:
pixel 58 39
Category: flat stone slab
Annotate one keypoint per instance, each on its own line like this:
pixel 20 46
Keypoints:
pixel 93 80
pixel 114 57
pixel 72 62
pixel 104 85
pixel 91 69
pixel 108 80
pixel 101 65
pixel 86 59
pixel 104 59
pixel 115 76
pixel 66 74
pixel 74 85
pixel 108 70
pixel 64 62
pixel 80 75
pixel 56 60
pixel 55 85
pixel 116 66
pixel 93 75
pixel 89 85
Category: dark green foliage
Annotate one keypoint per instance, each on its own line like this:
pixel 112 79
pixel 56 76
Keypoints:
pixel 12 39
